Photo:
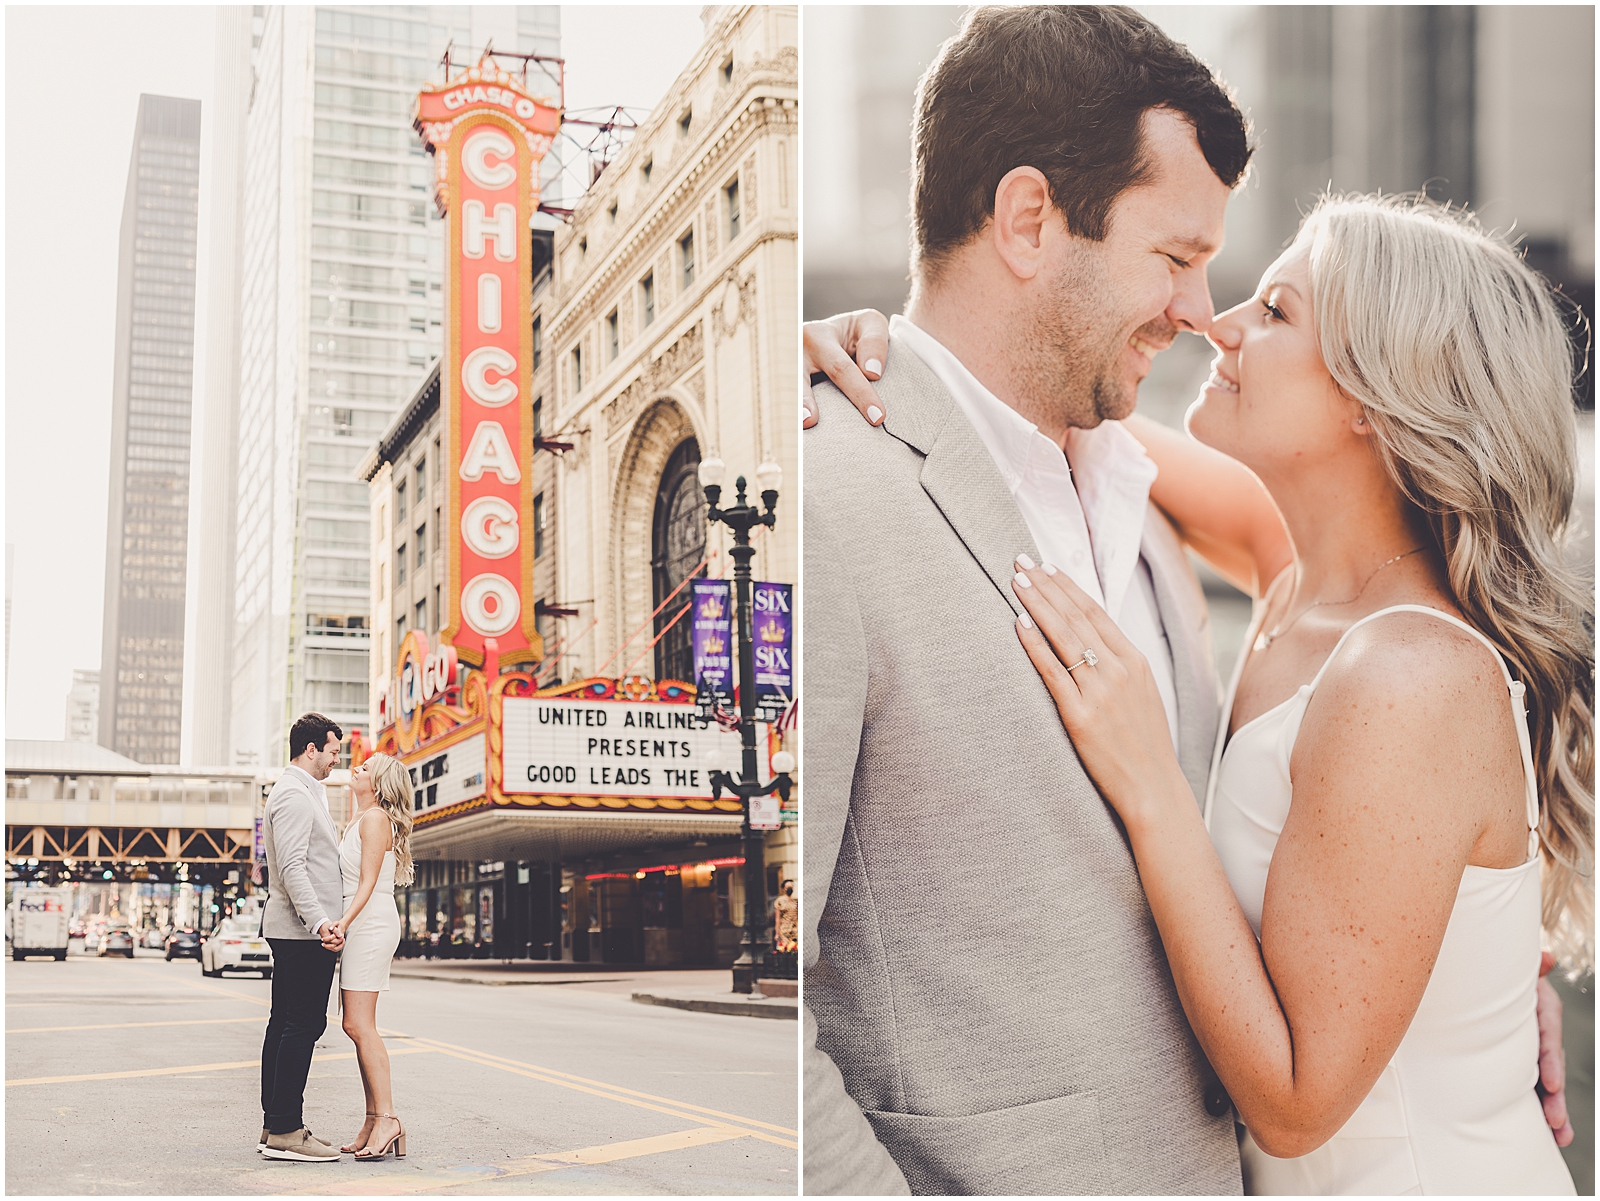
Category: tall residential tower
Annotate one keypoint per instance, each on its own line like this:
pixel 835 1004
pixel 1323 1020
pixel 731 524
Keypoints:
pixel 147 526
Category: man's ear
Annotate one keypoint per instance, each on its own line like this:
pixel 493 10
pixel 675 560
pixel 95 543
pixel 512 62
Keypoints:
pixel 1022 211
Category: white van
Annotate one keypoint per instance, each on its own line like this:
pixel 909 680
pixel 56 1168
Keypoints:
pixel 39 919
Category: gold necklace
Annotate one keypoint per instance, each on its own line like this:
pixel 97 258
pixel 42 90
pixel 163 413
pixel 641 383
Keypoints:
pixel 1265 640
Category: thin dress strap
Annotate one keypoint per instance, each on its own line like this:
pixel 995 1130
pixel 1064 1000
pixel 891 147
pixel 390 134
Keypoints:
pixel 1225 716
pixel 1519 707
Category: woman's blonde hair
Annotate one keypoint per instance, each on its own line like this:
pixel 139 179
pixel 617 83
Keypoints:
pixel 1460 359
pixel 391 784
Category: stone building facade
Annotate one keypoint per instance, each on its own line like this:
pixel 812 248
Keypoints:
pixel 669 327
pixel 665 324
pixel 669 332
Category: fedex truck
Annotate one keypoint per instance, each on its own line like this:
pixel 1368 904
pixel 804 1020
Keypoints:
pixel 38 921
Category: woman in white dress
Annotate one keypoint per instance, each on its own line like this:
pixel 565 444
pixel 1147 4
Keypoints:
pixel 1401 804
pixel 374 856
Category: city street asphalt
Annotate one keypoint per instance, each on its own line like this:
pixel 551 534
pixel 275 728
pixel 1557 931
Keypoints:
pixel 143 1077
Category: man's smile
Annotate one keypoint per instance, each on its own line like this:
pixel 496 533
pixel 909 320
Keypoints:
pixel 1148 349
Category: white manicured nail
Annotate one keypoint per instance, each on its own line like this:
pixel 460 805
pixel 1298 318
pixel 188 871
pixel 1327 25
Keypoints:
pixel 1022 581
pixel 873 366
pixel 874 414
pixel 1048 569
pixel 1025 561
pixel 1027 622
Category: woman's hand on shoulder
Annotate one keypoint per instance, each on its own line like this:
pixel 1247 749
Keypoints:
pixel 850 349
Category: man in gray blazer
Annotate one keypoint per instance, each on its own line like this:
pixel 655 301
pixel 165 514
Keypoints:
pixel 307 897
pixel 988 1007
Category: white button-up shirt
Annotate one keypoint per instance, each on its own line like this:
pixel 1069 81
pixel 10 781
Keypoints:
pixel 1085 507
pixel 318 788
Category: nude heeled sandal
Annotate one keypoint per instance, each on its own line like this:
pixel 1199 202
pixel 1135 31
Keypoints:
pixel 349 1150
pixel 397 1143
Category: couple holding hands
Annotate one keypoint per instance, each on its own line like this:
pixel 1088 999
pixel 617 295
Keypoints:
pixel 331 905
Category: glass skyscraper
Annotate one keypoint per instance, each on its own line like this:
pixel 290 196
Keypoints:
pixel 147 527
pixel 343 268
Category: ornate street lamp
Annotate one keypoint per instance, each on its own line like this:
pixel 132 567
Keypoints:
pixel 741 518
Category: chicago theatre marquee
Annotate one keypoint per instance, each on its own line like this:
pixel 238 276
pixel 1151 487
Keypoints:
pixel 536 513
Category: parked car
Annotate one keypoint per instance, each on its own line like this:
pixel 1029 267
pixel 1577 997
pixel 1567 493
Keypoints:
pixel 236 946
pixel 117 940
pixel 183 944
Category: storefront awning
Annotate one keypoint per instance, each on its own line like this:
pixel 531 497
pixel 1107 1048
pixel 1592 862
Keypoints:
pixel 509 835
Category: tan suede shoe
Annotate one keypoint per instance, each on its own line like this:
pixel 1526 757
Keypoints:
pixel 300 1145
pixel 261 1143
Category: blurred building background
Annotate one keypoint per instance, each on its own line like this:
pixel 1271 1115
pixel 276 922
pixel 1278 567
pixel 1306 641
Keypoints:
pixel 147 529
pixel 83 707
pixel 1486 106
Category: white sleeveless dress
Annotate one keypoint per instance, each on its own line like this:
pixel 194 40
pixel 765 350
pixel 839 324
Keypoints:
pixel 370 943
pixel 1455 1109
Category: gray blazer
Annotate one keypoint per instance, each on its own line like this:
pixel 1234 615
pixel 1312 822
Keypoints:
pixel 306 885
pixel 988 1009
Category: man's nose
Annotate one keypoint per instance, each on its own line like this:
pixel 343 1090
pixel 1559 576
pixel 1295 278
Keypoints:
pixel 1191 306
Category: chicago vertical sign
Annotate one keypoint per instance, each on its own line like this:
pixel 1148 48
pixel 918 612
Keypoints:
pixel 487 136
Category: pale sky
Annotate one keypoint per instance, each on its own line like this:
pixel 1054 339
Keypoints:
pixel 73 80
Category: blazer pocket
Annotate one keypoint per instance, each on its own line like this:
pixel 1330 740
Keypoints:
pixel 1045 1148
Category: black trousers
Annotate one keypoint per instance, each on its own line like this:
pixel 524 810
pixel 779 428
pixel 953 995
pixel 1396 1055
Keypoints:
pixel 302 976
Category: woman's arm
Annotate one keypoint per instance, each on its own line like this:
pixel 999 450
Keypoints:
pixel 376 839
pixel 1392 776
pixel 1219 506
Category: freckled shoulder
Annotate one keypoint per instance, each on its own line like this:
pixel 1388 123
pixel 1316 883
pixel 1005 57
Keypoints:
pixel 1409 673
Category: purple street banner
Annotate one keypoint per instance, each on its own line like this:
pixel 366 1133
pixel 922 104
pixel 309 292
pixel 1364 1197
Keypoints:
pixel 258 853
pixel 711 603
pixel 773 634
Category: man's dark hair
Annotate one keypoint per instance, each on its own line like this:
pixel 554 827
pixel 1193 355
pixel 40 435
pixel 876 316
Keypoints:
pixel 312 730
pixel 1061 89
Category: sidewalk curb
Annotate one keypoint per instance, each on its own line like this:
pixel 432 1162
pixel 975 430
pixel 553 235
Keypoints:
pixel 748 1009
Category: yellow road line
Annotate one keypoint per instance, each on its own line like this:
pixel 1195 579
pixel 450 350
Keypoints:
pixel 133 1025
pixel 615 1088
pixel 390 1185
pixel 608 1096
pixel 113 1000
pixel 196 1067
pixel 120 989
